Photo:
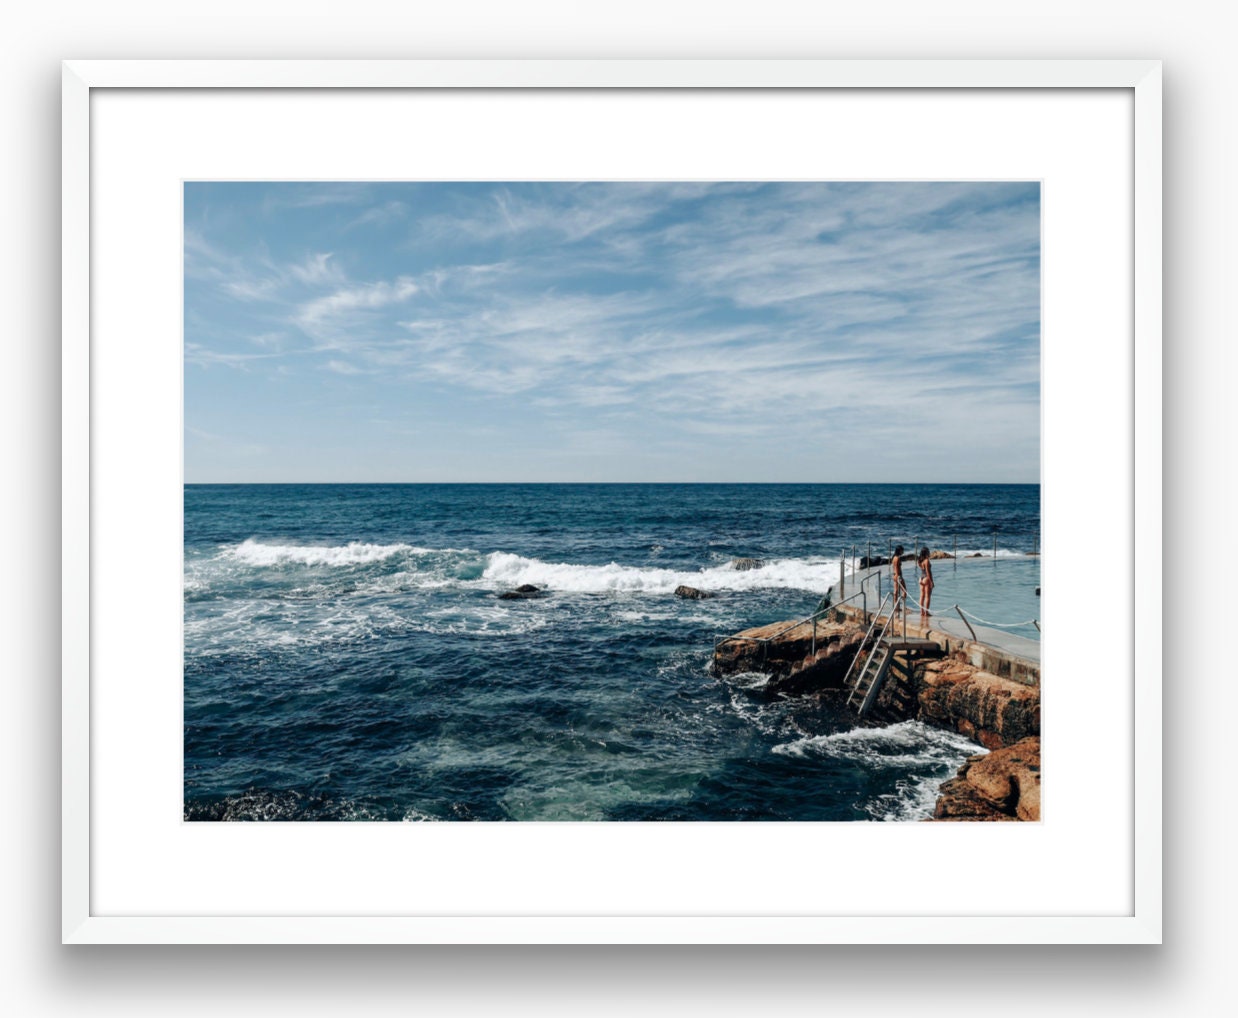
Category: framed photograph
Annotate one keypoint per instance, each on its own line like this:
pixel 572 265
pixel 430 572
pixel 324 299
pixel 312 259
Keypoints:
pixel 612 502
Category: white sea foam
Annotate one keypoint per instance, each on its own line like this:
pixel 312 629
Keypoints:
pixel 507 570
pixel 475 620
pixel 354 553
pixel 927 756
pixel 413 816
pixel 908 744
pixel 413 567
pixel 913 798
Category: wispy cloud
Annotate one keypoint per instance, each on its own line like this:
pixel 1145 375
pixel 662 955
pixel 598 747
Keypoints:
pixel 892 313
pixel 329 318
pixel 317 270
pixel 386 214
pixel 313 195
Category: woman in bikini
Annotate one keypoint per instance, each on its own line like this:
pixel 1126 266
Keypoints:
pixel 896 576
pixel 923 560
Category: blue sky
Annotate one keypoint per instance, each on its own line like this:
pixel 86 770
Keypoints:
pixel 612 332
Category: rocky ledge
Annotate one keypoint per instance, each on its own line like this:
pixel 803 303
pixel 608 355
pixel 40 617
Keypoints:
pixel 992 710
pixel 1001 785
pixel 798 659
pixel 996 711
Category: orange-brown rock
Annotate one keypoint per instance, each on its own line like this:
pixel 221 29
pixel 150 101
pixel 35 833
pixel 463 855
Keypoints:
pixel 992 710
pixel 1002 785
pixel 782 647
pixel 824 670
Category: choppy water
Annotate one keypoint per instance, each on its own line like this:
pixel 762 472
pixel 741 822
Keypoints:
pixel 347 656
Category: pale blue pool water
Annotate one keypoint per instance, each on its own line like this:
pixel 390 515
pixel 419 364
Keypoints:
pixel 997 596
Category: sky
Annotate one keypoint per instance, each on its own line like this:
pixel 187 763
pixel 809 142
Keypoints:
pixel 669 332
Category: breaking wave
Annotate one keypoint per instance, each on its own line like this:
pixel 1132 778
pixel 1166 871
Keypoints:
pixel 918 756
pixel 406 566
pixel 354 553
pixel 814 574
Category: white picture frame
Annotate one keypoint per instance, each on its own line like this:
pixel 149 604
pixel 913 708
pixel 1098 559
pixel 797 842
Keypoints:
pixel 85 389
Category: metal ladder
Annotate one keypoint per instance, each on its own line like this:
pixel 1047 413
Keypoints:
pixel 877 657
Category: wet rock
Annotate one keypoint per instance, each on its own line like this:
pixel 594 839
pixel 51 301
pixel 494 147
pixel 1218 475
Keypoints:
pixel 957 800
pixel 1002 785
pixel 780 650
pixel 825 669
pixel 521 593
pixel 994 711
pixel 692 593
pixel 743 564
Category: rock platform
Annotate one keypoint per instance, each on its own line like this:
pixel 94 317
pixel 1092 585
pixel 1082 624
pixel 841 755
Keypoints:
pixel 983 692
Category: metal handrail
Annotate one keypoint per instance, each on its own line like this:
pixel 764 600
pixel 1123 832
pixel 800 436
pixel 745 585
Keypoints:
pixel 868 635
pixel 869 656
pixel 818 614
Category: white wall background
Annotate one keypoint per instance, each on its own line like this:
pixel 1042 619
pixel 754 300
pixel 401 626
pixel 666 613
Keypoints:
pixel 39 977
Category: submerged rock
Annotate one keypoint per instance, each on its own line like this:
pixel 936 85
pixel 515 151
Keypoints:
pixel 521 593
pixel 692 593
pixel 743 564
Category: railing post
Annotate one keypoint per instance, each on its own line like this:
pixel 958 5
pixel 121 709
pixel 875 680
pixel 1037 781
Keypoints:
pixel 842 573
pixel 967 624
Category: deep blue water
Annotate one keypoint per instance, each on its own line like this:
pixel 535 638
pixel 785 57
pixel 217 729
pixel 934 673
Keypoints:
pixel 347 655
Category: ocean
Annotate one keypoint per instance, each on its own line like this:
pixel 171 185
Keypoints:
pixel 348 657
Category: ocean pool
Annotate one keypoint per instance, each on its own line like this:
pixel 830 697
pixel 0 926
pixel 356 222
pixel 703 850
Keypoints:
pixel 997 595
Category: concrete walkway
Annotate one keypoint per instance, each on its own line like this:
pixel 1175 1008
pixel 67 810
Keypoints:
pixel 1019 646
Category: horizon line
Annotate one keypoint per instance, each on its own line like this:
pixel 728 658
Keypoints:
pixel 752 483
